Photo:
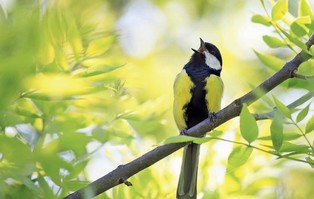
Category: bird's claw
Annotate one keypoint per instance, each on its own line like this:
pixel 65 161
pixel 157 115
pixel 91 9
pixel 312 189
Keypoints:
pixel 212 116
pixel 184 132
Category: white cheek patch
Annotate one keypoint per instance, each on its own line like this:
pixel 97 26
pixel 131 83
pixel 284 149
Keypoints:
pixel 212 61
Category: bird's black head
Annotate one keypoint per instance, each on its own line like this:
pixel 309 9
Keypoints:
pixel 209 54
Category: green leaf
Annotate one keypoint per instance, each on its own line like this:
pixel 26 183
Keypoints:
pixel 48 193
pixel 294 40
pixel 282 108
pixel 276 130
pixel 303 113
pixel 264 20
pixel 183 138
pixel 179 139
pixel 215 133
pixel 27 113
pixel 248 125
pixel 309 125
pixel 310 161
pixel 286 136
pixel 279 10
pixel 238 157
pixel 298 26
pixel 298 29
pixel 291 136
pixel 96 70
pixel 294 148
pixel 273 42
pixel 304 8
pixel 270 61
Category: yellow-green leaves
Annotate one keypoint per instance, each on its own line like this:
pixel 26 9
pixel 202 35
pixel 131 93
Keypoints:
pixel 283 109
pixel 248 126
pixel 303 113
pixel 309 125
pixel 238 157
pixel 298 27
pixel 179 139
pixel 261 20
pixel 293 30
pixel 279 10
pixel 304 8
pixel 276 129
pixel 270 61
pixel 273 42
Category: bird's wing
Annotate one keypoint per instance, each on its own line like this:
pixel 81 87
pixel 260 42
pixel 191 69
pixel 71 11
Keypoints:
pixel 214 89
pixel 182 96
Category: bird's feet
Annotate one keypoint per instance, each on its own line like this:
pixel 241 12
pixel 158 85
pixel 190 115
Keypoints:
pixel 184 132
pixel 212 116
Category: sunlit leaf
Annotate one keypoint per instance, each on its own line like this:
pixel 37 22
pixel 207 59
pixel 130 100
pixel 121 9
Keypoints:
pixel 100 46
pixel 216 133
pixel 279 10
pixel 202 140
pixel 27 113
pixel 294 148
pixel 9 145
pixel 303 113
pixel 48 193
pixel 286 136
pixel 304 8
pixel 276 129
pixel 310 161
pixel 291 136
pixel 74 185
pixel 282 108
pixel 298 29
pixel 59 85
pixel 294 40
pixel 75 39
pixel 248 126
pixel 273 42
pixel 179 139
pixel 309 125
pixel 270 61
pixel 264 20
pixel 238 157
pixel 73 142
pixel 95 70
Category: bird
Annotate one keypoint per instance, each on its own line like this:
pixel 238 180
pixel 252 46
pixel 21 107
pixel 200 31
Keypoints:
pixel 198 91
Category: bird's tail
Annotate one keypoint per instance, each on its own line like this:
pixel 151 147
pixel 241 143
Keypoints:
pixel 188 176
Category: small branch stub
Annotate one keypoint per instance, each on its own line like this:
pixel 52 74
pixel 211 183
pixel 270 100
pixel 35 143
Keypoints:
pixel 127 183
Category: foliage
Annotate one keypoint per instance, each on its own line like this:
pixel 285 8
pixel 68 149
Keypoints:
pixel 67 93
pixel 59 96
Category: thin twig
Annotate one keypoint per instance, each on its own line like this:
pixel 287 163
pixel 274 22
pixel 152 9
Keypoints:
pixel 305 77
pixel 263 150
pixel 293 105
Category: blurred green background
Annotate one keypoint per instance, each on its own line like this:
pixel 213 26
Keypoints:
pixel 87 85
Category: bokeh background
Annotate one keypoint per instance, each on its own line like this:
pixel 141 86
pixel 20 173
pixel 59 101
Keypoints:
pixel 87 85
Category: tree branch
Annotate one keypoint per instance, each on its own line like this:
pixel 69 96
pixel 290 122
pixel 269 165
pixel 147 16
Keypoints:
pixel 123 172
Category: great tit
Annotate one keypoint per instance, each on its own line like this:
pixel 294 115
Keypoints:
pixel 198 91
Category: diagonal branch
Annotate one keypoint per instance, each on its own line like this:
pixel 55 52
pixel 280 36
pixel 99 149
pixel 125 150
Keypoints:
pixel 123 172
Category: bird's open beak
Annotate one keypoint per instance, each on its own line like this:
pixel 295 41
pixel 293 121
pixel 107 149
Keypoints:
pixel 202 47
pixel 194 50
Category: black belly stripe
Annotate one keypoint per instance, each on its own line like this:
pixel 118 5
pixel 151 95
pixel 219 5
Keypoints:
pixel 197 108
